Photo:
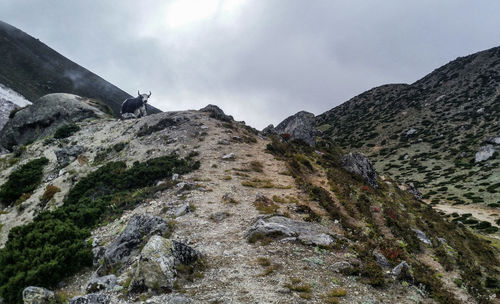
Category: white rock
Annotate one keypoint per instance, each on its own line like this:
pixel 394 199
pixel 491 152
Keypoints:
pixel 484 153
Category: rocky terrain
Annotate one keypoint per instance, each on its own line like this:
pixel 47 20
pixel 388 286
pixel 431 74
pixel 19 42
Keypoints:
pixel 194 207
pixel 440 133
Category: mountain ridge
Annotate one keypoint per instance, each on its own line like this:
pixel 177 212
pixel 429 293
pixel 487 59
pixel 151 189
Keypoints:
pixel 33 69
pixel 428 132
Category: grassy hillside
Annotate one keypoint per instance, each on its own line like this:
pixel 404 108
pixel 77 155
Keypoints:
pixel 428 132
pixel 33 69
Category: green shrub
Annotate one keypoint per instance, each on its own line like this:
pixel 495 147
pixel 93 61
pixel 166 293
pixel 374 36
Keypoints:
pixel 24 179
pixel 53 247
pixel 66 131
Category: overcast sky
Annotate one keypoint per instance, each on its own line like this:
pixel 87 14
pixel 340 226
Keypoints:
pixel 259 60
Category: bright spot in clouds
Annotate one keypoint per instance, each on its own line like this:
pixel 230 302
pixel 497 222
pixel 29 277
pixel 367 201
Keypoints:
pixel 186 12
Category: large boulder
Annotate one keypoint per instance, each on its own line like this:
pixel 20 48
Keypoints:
pixel 268 131
pixel 217 113
pixel 43 117
pixel 65 155
pixel 299 126
pixel 359 164
pixel 156 268
pixel 139 227
pixel 283 227
pixel 37 295
pixel 484 153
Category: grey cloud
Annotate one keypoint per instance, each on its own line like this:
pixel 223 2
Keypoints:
pixel 274 59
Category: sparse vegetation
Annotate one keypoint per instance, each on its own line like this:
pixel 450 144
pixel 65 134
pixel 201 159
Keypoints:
pixel 50 190
pixel 66 131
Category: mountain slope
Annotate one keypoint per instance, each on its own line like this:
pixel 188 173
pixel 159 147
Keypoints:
pixel 272 222
pixel 33 69
pixel 429 132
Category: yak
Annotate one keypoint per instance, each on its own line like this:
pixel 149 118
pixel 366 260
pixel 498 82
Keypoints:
pixel 136 105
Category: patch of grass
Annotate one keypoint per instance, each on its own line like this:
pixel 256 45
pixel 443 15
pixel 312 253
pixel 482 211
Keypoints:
pixel 23 180
pixel 303 289
pixel 256 166
pixel 258 183
pixel 265 206
pixel 66 131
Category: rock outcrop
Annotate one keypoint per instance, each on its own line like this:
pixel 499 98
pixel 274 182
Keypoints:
pixel 291 230
pixel 269 130
pixel 37 295
pixel 156 268
pixel 359 164
pixel 217 113
pixel 414 191
pixel 65 155
pixel 139 227
pixel 300 126
pixel 43 118
pixel 484 153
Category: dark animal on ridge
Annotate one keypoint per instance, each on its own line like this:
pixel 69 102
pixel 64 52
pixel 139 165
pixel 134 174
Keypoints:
pixel 135 106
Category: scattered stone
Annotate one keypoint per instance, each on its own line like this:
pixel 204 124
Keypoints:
pixel 414 191
pixel 92 298
pixel 441 97
pixel 223 142
pixel 219 216
pixel 179 299
pixel 97 284
pixel 410 132
pixel 340 266
pixel 37 295
pixel 182 210
pixel 380 259
pixel 268 131
pixel 175 176
pixel 421 236
pixel 299 126
pixel 229 156
pixel 402 272
pixel 480 111
pixel 44 117
pixel 484 153
pixel 228 198
pixel 63 155
pixel 131 238
pixel 282 227
pixel 359 164
pixel 442 240
pixel 217 113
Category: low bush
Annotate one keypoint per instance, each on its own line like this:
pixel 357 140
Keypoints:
pixel 52 247
pixel 23 180
pixel 66 131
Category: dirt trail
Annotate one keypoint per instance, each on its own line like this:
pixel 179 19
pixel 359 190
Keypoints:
pixel 481 213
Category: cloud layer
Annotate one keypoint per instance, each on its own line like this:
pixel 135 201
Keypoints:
pixel 260 61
